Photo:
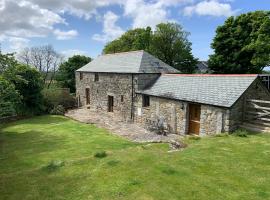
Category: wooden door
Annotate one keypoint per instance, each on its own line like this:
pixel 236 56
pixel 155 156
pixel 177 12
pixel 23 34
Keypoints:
pixel 87 95
pixel 194 119
pixel 110 103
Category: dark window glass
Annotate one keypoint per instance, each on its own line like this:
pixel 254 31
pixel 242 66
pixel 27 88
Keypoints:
pixel 145 101
pixel 122 98
pixel 96 77
pixel 81 75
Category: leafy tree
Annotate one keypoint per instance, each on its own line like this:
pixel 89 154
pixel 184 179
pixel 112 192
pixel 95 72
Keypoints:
pixel 136 39
pixel 9 98
pixel 6 61
pixel 170 44
pixel 28 82
pixel 242 44
pixel 66 73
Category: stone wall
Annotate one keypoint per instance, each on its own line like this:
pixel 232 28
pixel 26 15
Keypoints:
pixel 213 120
pixel 175 115
pixel 115 85
pixel 171 112
pixel 111 84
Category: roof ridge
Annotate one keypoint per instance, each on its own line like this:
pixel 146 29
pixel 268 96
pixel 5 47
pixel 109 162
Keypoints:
pixel 124 52
pixel 213 75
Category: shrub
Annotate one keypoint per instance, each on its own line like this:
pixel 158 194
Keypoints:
pixel 53 166
pixel 241 133
pixel 101 154
pixel 58 96
pixel 58 110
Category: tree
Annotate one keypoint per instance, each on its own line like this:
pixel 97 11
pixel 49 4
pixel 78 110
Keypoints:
pixel 6 61
pixel 44 58
pixel 242 44
pixel 9 98
pixel 136 39
pixel 28 82
pixel 170 44
pixel 66 72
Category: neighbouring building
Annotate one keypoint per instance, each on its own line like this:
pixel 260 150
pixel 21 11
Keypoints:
pixel 142 89
pixel 202 68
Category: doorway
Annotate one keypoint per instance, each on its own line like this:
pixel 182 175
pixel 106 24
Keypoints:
pixel 87 95
pixel 194 119
pixel 110 103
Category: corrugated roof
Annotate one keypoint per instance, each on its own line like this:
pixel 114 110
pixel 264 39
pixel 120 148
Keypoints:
pixel 128 62
pixel 218 90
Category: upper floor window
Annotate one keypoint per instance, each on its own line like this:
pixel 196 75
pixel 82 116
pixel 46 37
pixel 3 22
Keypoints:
pixel 96 77
pixel 122 98
pixel 81 75
pixel 145 101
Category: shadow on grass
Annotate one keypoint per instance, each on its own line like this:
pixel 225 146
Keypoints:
pixel 24 150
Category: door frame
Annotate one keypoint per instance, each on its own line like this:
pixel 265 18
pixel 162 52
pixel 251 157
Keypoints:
pixel 192 120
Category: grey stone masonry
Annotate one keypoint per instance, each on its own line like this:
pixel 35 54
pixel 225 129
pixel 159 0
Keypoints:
pixel 120 86
pixel 171 113
pixel 175 116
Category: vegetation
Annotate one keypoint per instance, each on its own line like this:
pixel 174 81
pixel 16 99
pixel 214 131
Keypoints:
pixel 66 72
pixel 44 58
pixel 28 83
pixel 54 97
pixel 52 157
pixel 242 45
pixel 168 42
pixel 9 98
pixel 136 39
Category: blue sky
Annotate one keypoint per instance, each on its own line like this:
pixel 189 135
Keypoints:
pixel 84 27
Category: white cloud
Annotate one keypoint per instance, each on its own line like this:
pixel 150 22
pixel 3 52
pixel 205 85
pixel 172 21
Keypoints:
pixel 65 35
pixel 145 14
pixel 17 43
pixel 24 19
pixel 71 52
pixel 212 8
pixel 110 29
pixel 79 8
pixel 150 13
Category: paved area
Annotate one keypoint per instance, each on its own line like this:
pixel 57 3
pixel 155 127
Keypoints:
pixel 116 126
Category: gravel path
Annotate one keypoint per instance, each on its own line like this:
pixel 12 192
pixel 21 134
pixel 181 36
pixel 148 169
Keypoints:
pixel 115 125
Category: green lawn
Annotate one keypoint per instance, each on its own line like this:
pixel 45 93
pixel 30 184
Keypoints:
pixel 215 168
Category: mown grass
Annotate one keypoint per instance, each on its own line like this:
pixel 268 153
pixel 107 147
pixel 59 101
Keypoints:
pixel 52 157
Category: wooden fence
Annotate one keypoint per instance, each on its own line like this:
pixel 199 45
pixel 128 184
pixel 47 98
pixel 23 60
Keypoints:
pixel 258 111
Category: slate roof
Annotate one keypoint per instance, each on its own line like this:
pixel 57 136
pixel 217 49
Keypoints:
pixel 128 62
pixel 202 67
pixel 218 90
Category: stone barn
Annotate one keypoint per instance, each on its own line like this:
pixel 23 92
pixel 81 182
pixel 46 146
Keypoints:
pixel 140 88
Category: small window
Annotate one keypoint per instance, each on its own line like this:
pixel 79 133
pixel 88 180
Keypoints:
pixel 145 101
pixel 96 77
pixel 122 98
pixel 81 75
